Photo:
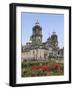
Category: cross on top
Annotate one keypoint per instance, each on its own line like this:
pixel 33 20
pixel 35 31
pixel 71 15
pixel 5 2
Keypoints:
pixel 37 22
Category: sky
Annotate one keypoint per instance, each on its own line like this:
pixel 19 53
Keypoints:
pixel 49 22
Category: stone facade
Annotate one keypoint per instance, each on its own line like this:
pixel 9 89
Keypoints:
pixel 35 49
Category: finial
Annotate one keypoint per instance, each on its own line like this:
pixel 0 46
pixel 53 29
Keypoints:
pixel 37 22
pixel 54 31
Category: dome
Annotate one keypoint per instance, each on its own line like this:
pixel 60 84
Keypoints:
pixel 54 36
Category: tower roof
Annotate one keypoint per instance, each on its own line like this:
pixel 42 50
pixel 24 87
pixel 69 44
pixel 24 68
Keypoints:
pixel 37 25
pixel 54 33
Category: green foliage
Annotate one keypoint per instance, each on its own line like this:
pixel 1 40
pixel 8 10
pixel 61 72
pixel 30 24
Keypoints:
pixel 27 71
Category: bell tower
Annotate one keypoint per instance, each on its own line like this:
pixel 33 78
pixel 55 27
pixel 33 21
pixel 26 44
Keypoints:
pixel 36 37
pixel 54 40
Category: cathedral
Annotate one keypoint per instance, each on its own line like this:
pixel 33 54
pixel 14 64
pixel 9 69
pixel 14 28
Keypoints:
pixel 35 49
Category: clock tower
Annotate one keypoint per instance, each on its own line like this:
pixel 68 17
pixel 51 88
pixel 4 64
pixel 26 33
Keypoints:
pixel 36 37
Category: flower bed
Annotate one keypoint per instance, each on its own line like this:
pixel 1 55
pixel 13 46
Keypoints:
pixel 42 69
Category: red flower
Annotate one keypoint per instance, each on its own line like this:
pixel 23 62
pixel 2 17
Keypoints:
pixel 56 65
pixel 44 67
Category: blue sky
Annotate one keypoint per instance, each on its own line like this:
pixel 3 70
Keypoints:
pixel 49 23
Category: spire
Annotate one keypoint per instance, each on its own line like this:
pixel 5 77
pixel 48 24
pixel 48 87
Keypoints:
pixel 37 23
